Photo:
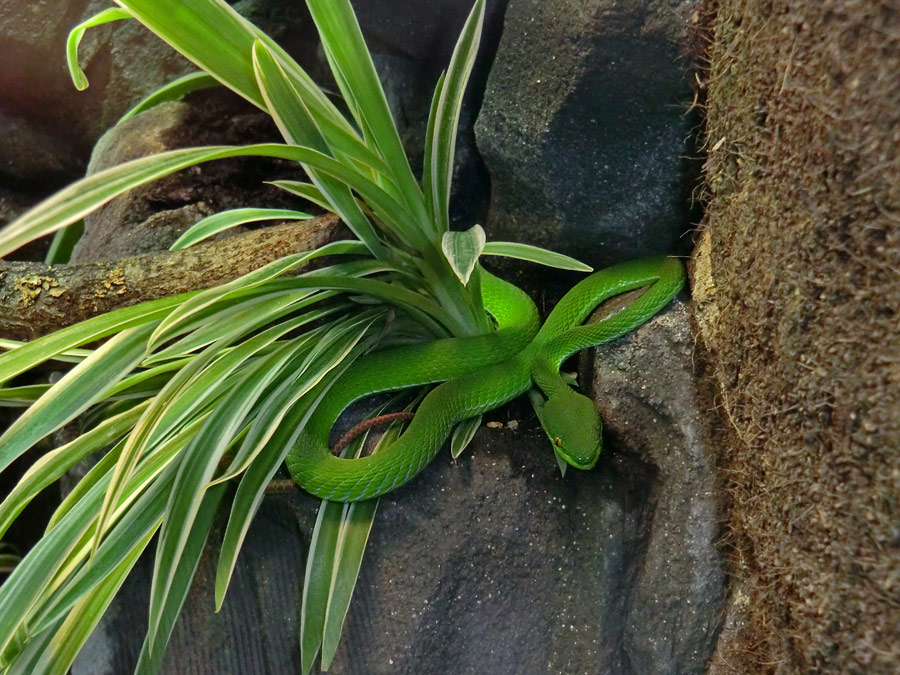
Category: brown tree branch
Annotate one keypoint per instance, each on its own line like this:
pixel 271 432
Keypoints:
pixel 36 299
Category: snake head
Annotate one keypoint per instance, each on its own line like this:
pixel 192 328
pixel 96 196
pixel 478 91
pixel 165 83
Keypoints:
pixel 574 427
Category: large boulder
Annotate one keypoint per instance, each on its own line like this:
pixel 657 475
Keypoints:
pixel 656 410
pixel 585 131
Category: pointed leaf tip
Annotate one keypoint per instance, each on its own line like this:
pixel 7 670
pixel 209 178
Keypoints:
pixel 462 250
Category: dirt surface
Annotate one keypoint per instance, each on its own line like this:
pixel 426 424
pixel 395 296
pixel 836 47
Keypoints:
pixel 797 286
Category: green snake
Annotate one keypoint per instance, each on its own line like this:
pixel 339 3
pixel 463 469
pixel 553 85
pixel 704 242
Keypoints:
pixel 478 374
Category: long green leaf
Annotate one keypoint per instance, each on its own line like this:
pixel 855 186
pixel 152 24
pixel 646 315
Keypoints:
pixel 82 197
pixel 296 122
pixel 197 465
pixel 225 220
pixel 98 472
pixel 21 590
pixel 62 342
pixel 173 91
pixel 297 126
pixel 424 308
pixel 428 179
pixel 146 473
pixel 535 254
pixel 85 384
pixel 131 534
pixel 186 393
pixel 60 654
pixel 139 379
pixel 168 328
pixel 77 33
pixel 24 396
pixel 252 314
pixel 68 356
pixel 66 545
pixel 344 203
pixel 274 433
pixel 355 74
pixel 218 40
pixel 54 464
pixel 317 581
pixel 337 546
pixel 317 353
pixel 63 243
pixel 353 535
pixel 306 191
pixel 138 513
pixel 355 527
pixel 21 659
pixel 153 649
pixel 189 389
pixel 271 408
pixel 281 424
pixel 439 155
pixel 210 34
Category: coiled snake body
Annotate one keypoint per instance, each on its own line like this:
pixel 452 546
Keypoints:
pixel 479 374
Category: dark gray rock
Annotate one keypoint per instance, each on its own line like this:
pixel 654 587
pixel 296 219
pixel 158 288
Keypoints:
pixel 583 128
pixel 256 630
pixel 402 28
pixel 646 388
pixel 495 563
pixel 30 156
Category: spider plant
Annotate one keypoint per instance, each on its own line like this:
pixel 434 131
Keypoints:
pixel 194 400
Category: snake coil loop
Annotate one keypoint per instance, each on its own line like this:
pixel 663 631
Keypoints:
pixel 479 374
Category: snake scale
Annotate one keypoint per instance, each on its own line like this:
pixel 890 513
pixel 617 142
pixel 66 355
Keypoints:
pixel 480 373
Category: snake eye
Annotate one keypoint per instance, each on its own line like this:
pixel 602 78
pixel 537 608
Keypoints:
pixel 558 442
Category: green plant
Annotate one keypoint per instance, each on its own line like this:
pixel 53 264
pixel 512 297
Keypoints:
pixel 192 393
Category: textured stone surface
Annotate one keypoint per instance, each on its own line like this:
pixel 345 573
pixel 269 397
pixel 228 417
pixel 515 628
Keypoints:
pixel 495 563
pixel 390 27
pixel 646 389
pixel 34 159
pixel 583 128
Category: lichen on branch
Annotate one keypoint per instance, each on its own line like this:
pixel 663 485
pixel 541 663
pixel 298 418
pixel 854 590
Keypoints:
pixel 36 299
